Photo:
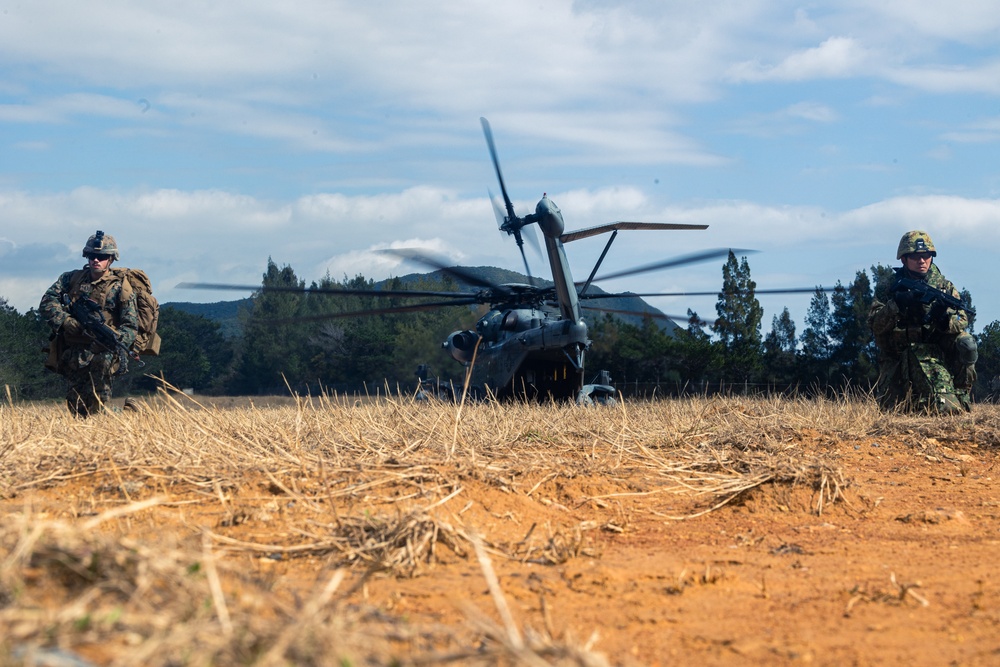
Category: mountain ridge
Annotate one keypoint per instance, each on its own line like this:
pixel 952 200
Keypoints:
pixel 629 309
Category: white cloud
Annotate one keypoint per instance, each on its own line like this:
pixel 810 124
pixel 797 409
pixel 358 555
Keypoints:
pixel 942 79
pixel 785 121
pixel 836 57
pixel 967 21
pixel 944 216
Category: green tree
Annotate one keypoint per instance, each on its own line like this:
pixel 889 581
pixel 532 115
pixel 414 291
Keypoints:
pixel 274 341
pixel 22 369
pixel 853 353
pixel 698 357
pixel 418 336
pixel 817 348
pixel 738 324
pixel 194 353
pixel 988 366
pixel 966 297
pixel 643 354
pixel 779 351
pixel 880 274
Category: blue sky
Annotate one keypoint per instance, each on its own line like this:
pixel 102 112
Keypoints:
pixel 207 138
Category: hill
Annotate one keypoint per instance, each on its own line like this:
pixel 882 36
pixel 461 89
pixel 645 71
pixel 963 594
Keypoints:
pixel 630 309
pixel 226 313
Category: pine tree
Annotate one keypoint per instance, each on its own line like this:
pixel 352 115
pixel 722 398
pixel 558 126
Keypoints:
pixel 194 353
pixel 988 366
pixel 738 324
pixel 966 297
pixel 779 351
pixel 274 342
pixel 817 348
pixel 698 357
pixel 853 353
pixel 22 369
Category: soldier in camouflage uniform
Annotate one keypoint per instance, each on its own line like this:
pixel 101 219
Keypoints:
pixel 927 359
pixel 86 364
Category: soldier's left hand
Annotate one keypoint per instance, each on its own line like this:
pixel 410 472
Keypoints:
pixel 72 326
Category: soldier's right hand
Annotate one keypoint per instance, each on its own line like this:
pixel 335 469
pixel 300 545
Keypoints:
pixel 72 326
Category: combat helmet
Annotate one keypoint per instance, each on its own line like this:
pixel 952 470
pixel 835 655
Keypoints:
pixel 101 244
pixel 915 241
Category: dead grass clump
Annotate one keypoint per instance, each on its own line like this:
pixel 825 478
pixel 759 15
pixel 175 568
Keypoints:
pixel 899 594
pixel 401 545
pixel 554 546
pixel 71 594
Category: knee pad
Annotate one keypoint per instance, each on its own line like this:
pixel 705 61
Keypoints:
pixel 966 348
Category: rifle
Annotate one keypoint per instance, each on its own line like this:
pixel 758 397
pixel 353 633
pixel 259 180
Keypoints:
pixel 88 313
pixel 913 294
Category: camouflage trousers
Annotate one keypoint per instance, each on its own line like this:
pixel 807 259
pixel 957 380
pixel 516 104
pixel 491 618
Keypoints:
pixel 928 377
pixel 89 374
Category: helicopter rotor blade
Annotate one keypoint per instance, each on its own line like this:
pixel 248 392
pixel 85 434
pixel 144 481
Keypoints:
pixel 388 310
pixel 415 255
pixel 532 237
pixel 488 132
pixel 683 260
pixel 777 290
pixel 524 257
pixel 320 290
pixel 646 313
pixel 497 209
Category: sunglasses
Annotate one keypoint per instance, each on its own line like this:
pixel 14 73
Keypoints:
pixel 99 258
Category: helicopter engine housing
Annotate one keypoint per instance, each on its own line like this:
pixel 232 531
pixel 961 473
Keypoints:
pixel 549 218
pixel 461 345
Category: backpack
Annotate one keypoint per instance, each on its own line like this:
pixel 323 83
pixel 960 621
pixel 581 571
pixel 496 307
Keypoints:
pixel 147 341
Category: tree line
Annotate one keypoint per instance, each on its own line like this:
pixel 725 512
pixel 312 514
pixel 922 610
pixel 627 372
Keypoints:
pixel 304 341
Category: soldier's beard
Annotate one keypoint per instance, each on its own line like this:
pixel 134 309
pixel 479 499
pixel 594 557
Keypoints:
pixel 96 273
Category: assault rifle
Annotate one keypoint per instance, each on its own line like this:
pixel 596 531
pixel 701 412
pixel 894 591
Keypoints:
pixel 88 313
pixel 910 293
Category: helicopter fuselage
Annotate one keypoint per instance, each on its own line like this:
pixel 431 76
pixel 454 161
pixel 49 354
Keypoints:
pixel 523 352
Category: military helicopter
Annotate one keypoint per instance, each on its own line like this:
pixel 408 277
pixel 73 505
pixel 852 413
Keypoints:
pixel 531 344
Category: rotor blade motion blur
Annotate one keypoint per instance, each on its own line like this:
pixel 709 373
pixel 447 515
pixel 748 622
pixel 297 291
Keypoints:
pixel 318 290
pixel 683 260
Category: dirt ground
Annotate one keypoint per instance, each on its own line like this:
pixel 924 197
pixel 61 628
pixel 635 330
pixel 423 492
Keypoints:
pixel 902 570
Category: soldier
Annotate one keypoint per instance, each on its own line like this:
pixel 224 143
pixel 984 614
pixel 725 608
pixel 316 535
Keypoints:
pixel 88 365
pixel 927 358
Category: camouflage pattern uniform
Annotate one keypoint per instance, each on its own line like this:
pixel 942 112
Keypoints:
pixel 927 358
pixel 87 365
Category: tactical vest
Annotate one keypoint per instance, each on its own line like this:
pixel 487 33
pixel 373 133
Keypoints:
pixel 147 341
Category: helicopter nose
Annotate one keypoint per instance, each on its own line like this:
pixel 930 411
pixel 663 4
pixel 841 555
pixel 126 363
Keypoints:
pixel 549 218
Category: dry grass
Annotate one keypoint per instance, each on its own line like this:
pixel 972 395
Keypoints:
pixel 373 489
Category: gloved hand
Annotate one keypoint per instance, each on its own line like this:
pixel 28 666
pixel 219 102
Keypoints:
pixel 72 326
pixel 940 314
pixel 909 304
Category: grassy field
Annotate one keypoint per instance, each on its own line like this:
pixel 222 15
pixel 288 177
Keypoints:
pixel 332 531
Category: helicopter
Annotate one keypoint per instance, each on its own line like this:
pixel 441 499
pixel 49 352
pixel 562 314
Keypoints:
pixel 532 341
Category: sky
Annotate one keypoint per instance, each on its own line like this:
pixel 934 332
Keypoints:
pixel 210 137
